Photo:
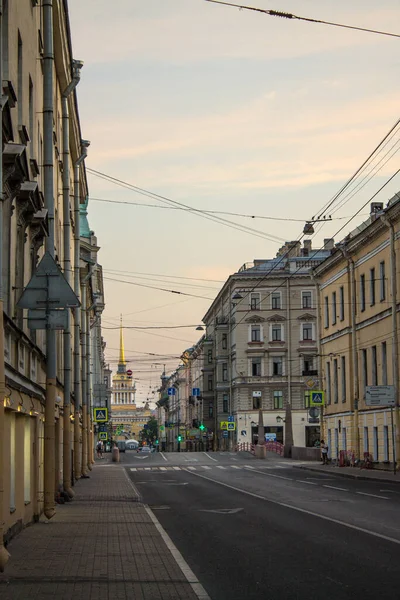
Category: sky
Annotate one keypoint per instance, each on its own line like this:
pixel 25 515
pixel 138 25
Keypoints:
pixel 222 110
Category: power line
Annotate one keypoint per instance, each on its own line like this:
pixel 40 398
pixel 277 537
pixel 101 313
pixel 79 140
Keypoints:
pixel 151 287
pixel 155 279
pixel 199 213
pixel 285 15
pixel 170 276
pixel 154 327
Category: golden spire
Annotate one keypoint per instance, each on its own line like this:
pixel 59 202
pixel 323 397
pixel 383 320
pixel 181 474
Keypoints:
pixel 122 360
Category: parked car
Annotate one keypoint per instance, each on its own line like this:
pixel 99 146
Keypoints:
pixel 121 446
pixel 144 450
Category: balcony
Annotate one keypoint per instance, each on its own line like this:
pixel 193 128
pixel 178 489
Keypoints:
pixel 313 373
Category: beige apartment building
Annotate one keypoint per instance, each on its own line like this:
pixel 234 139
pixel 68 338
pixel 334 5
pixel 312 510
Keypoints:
pixel 359 303
pixel 36 159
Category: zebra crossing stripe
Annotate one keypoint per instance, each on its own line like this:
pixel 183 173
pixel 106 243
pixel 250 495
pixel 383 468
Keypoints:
pixel 206 468
pixel 235 467
pixel 192 468
pixel 132 469
pixel 163 469
pixel 176 468
pixel 220 467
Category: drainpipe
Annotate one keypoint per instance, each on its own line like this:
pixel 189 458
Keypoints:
pixel 353 301
pixel 77 312
pixel 395 338
pixel 4 555
pixel 84 375
pixel 76 67
pixel 48 173
pixel 288 412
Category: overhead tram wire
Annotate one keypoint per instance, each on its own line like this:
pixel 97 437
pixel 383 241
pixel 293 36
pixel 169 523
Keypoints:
pixel 170 276
pixel 285 15
pixel 316 252
pixel 151 287
pixel 156 280
pixel 225 222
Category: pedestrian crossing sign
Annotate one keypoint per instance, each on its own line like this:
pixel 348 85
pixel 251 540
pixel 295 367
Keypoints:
pixel 100 415
pixel 317 398
pixel 103 435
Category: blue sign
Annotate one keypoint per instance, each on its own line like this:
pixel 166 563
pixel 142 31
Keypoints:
pixel 225 434
pixel 270 437
pixel 196 392
pixel 171 391
pixel 231 418
pixel 102 427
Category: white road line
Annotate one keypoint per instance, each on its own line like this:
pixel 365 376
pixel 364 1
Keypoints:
pixel 235 467
pixel 249 467
pixel 133 469
pixel 372 495
pixel 308 482
pixel 147 468
pixel 301 510
pixel 184 567
pixel 163 468
pixel 210 457
pixel 207 468
pixel 164 457
pixel 389 491
pixel 334 487
pixel 176 468
pixel 271 475
pixel 220 467
pixel 191 468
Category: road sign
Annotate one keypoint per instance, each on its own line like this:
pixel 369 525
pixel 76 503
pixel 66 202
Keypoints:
pixel 223 425
pixel 103 435
pixel 100 415
pixel 231 418
pixel 48 288
pixel 102 427
pixel 40 318
pixel 162 427
pixel 314 412
pixel 225 434
pixel 171 391
pixel 196 392
pixel 231 426
pixel 317 398
pixel 270 437
pixel 311 383
pixel 380 395
pixel 129 373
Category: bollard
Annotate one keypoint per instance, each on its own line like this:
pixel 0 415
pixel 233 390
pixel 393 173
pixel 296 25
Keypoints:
pixel 115 454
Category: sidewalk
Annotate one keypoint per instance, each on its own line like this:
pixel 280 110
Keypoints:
pixel 353 472
pixel 103 545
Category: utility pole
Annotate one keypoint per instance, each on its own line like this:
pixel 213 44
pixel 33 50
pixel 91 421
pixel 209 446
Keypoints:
pixel 4 555
pixel 48 173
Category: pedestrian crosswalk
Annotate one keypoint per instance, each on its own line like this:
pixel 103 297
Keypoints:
pixel 208 468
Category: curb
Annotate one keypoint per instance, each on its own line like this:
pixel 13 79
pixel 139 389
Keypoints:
pixel 348 475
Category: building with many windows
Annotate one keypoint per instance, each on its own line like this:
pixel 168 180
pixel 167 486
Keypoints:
pixel 261 349
pixel 359 303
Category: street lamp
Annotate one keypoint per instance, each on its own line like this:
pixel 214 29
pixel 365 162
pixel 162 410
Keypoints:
pixel 237 296
pixel 199 328
pixel 280 419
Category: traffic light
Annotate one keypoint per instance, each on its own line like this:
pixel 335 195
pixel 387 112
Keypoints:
pixel 179 438
pixel 202 427
pixel 157 442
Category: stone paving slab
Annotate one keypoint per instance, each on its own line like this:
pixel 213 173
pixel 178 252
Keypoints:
pixel 102 545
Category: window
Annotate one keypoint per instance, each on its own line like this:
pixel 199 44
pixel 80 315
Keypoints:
pixel 210 383
pixel 277 365
pixel 328 382
pixel 308 364
pixel 31 118
pixel 225 407
pixel 382 283
pixel 257 402
pixel 256 333
pixel 278 400
pixel 21 357
pixel 211 410
pixel 333 308
pixel 376 444
pixel 335 381
pixel 364 367
pixel 224 371
pixel 276 300
pixel 27 460
pixel 341 303
pixel 255 301
pixel 12 463
pixel 33 366
pixel 386 443
pixel 224 341
pixel 7 346
pixel 307 331
pixel 362 292
pixel 374 366
pixel 306 298
pixel 256 367
pixel 20 80
pixel 343 377
pixel 366 441
pixel 276 332
pixel 209 357
pixel 384 363
pixel 372 286
pixel 326 311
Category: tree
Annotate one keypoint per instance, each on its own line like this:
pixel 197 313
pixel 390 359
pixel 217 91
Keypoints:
pixel 150 433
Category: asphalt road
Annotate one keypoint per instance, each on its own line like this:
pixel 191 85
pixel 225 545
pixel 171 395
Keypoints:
pixel 266 529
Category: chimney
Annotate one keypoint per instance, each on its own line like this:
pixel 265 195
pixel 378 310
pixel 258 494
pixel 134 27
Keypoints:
pixel 307 247
pixel 329 244
pixel 375 208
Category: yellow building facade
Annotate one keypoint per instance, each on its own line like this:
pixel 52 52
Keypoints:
pixel 358 347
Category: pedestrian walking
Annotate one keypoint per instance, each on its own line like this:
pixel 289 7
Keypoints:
pixel 324 452
pixel 99 448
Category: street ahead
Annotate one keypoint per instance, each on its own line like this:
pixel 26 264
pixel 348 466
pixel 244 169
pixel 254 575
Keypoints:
pixel 266 529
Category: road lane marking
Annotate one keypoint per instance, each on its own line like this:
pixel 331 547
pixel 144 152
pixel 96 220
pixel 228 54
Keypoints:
pixel 163 468
pixel 133 469
pixel 220 467
pixel 308 482
pixel 147 468
pixel 271 475
pixel 372 495
pixel 192 468
pixel 300 510
pixel 249 467
pixel 207 468
pixel 334 487
pixel 184 567
pixel 210 457
pixel 235 467
pixel 176 468
pixel 164 457
pixel 389 491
